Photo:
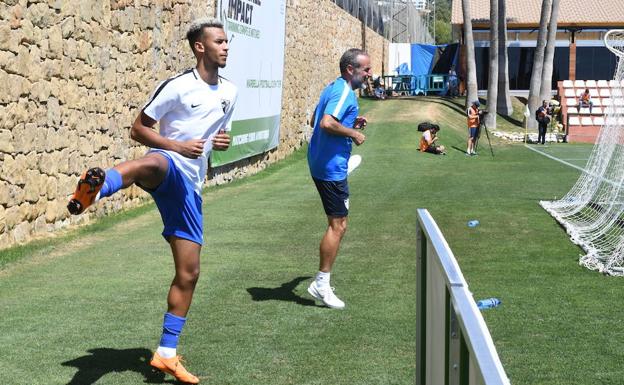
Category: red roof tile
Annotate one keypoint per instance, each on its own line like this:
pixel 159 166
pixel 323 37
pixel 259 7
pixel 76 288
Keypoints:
pixel 527 12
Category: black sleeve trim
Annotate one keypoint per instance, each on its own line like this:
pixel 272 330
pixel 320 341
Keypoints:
pixel 162 86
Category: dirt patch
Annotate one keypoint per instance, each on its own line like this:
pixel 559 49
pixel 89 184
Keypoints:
pixel 418 112
pixel 424 108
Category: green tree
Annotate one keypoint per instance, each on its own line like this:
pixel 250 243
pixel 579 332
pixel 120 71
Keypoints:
pixel 442 22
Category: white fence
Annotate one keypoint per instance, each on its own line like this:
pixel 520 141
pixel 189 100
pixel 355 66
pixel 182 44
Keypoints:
pixel 453 344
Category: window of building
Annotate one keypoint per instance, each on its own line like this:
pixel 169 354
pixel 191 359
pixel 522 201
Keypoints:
pixel 521 65
pixel 596 63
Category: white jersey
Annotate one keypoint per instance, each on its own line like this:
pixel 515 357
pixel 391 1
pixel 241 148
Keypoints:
pixel 427 136
pixel 189 108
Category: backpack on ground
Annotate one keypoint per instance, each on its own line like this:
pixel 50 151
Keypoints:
pixel 424 126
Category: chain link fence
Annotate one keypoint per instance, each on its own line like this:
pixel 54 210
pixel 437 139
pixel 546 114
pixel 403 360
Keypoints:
pixel 399 21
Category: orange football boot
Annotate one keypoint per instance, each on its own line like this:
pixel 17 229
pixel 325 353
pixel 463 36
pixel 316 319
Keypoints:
pixel 174 367
pixel 88 187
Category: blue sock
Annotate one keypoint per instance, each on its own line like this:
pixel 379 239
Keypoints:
pixel 172 327
pixel 112 183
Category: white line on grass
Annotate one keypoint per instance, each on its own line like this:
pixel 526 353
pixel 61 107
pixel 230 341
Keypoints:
pixel 555 158
pixel 609 181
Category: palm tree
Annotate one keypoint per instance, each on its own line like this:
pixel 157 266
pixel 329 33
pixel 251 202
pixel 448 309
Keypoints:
pixel 471 66
pixel 504 100
pixel 538 63
pixel 550 52
pixel 492 93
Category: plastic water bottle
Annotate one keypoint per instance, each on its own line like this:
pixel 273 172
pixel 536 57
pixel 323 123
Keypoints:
pixel 488 303
pixel 473 223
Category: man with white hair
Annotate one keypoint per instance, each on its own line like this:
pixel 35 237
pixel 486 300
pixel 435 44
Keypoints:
pixel 194 109
pixel 336 125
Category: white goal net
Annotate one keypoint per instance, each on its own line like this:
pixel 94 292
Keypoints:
pixel 592 212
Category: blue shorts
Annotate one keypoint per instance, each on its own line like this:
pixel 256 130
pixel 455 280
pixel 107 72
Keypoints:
pixel 473 132
pixel 179 205
pixel 335 197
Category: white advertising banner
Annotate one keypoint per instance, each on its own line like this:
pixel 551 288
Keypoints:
pixel 398 54
pixel 256 31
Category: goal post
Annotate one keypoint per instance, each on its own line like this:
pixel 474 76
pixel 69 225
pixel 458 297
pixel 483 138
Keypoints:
pixel 592 212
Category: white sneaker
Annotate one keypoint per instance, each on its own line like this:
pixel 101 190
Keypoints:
pixel 326 295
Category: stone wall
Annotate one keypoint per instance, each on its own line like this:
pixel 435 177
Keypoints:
pixel 76 72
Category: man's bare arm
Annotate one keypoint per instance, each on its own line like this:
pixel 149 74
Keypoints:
pixel 331 125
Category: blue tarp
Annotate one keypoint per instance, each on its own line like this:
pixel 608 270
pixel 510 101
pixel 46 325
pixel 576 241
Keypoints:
pixel 403 69
pixel 430 66
pixel 422 58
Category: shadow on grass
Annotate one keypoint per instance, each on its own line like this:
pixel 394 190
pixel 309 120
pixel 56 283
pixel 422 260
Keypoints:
pixel 101 361
pixel 458 149
pixel 283 293
pixel 512 120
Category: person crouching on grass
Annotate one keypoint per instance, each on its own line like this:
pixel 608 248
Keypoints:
pixel 428 142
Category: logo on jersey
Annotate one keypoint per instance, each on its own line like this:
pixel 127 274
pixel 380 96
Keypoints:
pixel 225 104
pixel 346 203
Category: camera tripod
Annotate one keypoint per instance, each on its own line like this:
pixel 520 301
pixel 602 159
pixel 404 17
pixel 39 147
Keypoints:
pixel 487 135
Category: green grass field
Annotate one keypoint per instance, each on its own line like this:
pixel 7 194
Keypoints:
pixel 87 309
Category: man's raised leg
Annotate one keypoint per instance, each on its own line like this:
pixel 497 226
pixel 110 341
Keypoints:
pixel 186 259
pixel 95 184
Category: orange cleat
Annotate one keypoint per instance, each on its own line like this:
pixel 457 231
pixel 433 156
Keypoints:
pixel 174 367
pixel 88 187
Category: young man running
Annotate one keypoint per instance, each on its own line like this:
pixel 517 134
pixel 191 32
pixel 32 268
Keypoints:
pixel 194 109
pixel 336 125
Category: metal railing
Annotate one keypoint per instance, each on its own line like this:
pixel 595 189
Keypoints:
pixel 411 85
pixel 453 344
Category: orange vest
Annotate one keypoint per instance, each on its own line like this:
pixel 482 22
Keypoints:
pixel 585 97
pixel 473 117
pixel 423 144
